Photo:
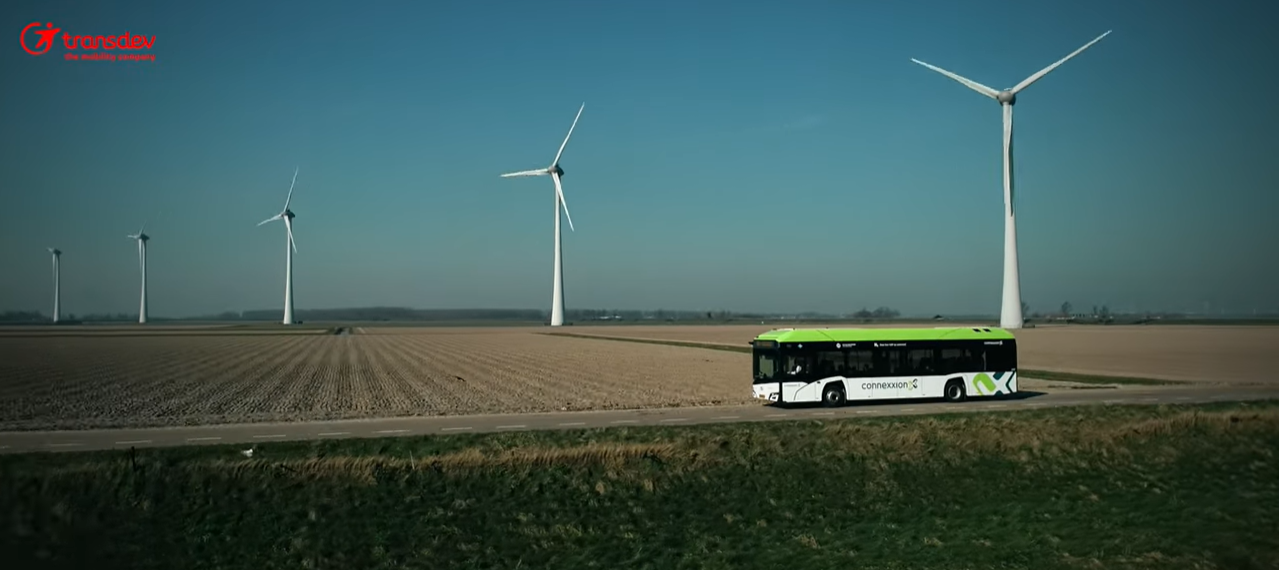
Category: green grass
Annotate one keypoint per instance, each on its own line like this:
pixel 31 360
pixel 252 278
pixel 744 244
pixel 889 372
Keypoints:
pixel 1109 486
pixel 1036 374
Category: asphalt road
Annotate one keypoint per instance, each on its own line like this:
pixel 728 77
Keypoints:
pixel 248 434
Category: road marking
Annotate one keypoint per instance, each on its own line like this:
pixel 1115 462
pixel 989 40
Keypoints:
pixel 463 428
pixel 65 444
pixel 329 433
pixel 134 442
pixel 775 415
pixel 512 427
pixel 823 413
pixel 203 438
pixel 673 420
pixel 1110 401
pixel 573 424
pixel 1183 398
pixel 725 417
pixel 908 409
pixel 274 435
pixel 1148 400
pixel 994 406
pixel 392 431
pixel 868 411
pixel 623 422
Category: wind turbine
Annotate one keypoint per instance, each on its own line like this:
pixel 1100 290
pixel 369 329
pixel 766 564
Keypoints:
pixel 1010 316
pixel 289 249
pixel 57 285
pixel 554 170
pixel 141 237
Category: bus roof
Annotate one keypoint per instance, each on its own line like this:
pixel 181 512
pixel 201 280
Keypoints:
pixel 866 335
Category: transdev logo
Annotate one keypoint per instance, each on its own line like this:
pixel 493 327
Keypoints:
pixel 37 41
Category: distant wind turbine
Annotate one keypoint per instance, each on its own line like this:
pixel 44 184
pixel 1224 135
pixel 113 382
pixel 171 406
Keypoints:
pixel 57 285
pixel 554 170
pixel 1010 315
pixel 141 237
pixel 289 249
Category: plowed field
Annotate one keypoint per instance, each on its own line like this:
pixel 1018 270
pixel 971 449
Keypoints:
pixel 107 381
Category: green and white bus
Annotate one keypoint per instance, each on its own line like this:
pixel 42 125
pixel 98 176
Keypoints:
pixel 833 366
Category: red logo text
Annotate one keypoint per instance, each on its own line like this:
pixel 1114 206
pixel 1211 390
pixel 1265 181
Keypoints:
pixel 124 47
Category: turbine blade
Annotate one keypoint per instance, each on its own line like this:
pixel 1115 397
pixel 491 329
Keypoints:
pixel 559 192
pixel 288 226
pixel 1036 77
pixel 270 219
pixel 541 172
pixel 144 228
pixel 290 196
pixel 566 137
pixel 975 86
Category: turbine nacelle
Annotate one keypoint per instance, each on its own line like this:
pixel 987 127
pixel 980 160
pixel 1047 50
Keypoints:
pixel 55 251
pixel 556 170
pixel 1006 97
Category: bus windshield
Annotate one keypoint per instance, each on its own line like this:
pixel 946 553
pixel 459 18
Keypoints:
pixel 767 365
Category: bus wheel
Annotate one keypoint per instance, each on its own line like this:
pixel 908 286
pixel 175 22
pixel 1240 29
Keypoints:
pixel 955 391
pixel 833 395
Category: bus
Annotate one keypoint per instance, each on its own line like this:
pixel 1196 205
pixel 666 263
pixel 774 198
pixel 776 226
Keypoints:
pixel 834 366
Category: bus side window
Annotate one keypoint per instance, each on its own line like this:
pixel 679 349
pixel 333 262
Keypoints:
pixel 861 363
pixel 952 361
pixel 1000 358
pixel 919 362
pixel 799 366
pixel 976 360
pixel 830 363
pixel 895 360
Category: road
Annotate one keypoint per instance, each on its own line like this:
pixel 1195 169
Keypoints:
pixel 248 434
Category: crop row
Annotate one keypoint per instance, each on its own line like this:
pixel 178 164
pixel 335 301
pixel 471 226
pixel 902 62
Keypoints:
pixel 70 383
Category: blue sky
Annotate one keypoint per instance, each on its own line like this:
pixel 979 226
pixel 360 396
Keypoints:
pixel 733 155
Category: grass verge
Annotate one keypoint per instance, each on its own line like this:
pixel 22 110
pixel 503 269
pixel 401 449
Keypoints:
pixel 1036 374
pixel 1114 487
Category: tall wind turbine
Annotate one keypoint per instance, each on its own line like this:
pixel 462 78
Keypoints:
pixel 57 285
pixel 1010 316
pixel 289 249
pixel 141 237
pixel 554 170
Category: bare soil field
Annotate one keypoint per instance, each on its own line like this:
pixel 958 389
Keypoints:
pixel 1229 354
pixel 110 381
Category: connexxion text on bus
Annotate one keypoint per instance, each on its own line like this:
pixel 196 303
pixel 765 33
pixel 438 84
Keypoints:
pixel 837 365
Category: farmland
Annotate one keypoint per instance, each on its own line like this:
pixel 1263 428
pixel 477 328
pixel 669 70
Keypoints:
pixel 109 381
pixel 90 377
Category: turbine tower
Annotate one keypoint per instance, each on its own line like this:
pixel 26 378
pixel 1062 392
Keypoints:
pixel 289 249
pixel 141 237
pixel 554 170
pixel 1010 316
pixel 57 285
